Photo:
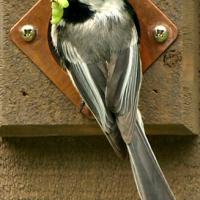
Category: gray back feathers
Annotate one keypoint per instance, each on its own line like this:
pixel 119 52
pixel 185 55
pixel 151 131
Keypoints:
pixel 102 36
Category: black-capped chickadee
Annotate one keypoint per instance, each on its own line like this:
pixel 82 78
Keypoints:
pixel 97 42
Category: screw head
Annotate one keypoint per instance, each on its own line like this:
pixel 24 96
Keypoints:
pixel 28 33
pixel 161 33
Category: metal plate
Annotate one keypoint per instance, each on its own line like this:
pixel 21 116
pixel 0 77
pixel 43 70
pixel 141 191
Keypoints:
pixel 40 52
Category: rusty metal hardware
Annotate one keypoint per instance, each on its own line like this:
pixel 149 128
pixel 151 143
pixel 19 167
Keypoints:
pixel 28 32
pixel 161 33
pixel 39 50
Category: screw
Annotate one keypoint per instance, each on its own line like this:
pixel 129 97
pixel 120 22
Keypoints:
pixel 28 32
pixel 161 33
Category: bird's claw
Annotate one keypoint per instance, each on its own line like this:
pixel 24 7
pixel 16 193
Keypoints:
pixel 82 106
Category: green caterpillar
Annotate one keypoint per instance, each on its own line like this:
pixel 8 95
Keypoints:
pixel 57 10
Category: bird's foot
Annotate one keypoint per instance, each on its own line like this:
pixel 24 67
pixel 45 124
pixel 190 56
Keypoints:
pixel 82 105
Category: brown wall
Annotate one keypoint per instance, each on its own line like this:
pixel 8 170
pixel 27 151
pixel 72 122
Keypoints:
pixel 87 169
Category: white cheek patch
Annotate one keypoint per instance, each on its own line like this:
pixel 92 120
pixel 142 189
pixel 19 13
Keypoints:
pixel 54 32
pixel 54 35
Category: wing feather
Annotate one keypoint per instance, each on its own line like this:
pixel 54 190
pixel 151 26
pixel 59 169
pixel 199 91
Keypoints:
pixel 123 89
pixel 91 83
pixel 112 97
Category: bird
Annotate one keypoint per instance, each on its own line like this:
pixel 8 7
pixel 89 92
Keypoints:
pixel 98 43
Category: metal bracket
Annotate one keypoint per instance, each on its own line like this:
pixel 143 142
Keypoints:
pixel 157 34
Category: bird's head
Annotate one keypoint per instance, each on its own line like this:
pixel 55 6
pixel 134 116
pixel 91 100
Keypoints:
pixel 71 9
pixel 82 8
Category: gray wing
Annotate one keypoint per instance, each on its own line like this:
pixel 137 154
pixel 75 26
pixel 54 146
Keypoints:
pixel 122 98
pixel 123 88
pixel 91 83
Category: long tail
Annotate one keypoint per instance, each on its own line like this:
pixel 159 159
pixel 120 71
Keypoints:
pixel 150 181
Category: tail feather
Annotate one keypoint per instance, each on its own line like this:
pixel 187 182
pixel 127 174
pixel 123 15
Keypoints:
pixel 150 181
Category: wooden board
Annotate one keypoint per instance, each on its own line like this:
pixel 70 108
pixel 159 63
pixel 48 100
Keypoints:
pixel 40 53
